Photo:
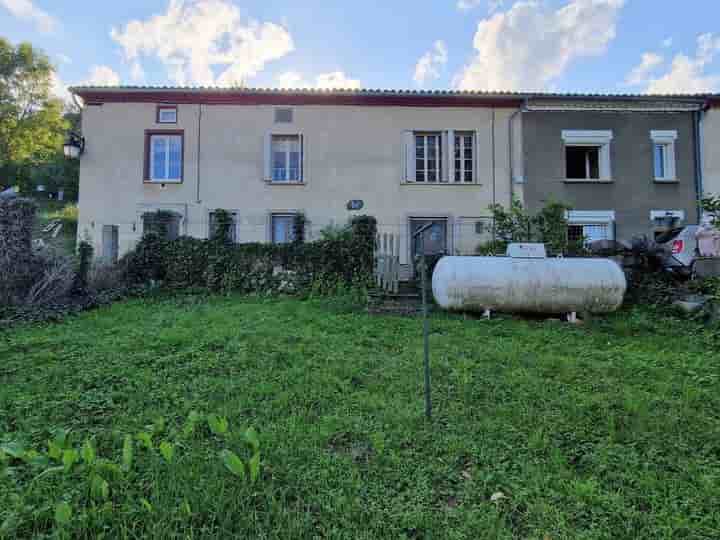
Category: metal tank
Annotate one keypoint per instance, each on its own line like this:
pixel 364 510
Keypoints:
pixel 528 285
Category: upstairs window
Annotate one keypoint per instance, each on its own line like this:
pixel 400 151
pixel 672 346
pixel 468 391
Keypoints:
pixel 464 157
pixel 285 159
pixel 428 157
pixel 167 114
pixel 587 155
pixel 664 155
pixel 440 157
pixel 164 157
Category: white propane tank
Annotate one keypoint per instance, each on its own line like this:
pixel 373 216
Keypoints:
pixel 528 285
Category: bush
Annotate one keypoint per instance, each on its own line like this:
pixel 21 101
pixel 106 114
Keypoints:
pixel 53 275
pixel 217 265
pixel 17 267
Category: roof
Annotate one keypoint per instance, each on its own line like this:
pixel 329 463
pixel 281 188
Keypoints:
pixel 385 97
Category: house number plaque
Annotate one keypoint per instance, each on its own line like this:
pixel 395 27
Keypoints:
pixel 355 204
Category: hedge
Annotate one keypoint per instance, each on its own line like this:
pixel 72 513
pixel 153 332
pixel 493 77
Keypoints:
pixel 218 265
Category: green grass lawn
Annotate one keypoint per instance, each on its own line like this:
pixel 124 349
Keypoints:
pixel 611 430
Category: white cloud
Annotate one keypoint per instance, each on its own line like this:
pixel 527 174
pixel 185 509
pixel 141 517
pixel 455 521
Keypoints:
pixel 428 67
pixel 530 45
pixel 640 73
pixel 102 76
pixel 686 75
pixel 493 5
pixel 26 10
pixel 196 38
pixel 137 73
pixel 334 79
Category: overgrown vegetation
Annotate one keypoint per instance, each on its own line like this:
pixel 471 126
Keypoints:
pixel 541 430
pixel 221 266
pixel 515 224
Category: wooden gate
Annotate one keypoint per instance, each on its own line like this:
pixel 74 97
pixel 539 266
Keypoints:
pixel 387 262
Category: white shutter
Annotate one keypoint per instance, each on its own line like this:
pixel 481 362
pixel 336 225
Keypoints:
pixel 301 141
pixel 604 158
pixel 476 158
pixel 450 153
pixel 671 172
pixel 409 138
pixel 267 173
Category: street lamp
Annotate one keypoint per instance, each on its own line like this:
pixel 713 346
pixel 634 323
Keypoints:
pixel 74 145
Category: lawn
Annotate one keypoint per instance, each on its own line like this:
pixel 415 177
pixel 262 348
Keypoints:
pixel 609 430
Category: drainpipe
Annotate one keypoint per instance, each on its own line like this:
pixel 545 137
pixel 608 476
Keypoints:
pixel 493 154
pixel 698 117
pixel 511 152
pixel 199 131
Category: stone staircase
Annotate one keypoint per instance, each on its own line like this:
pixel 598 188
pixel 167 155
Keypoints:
pixel 407 301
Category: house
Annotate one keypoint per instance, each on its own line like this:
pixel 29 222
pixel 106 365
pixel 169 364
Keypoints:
pixel 407 158
pixel 710 135
pixel 627 165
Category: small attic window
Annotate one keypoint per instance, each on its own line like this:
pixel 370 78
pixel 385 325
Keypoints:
pixel 283 116
pixel 167 114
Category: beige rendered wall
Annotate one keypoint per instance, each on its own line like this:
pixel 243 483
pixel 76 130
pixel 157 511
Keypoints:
pixel 711 153
pixel 350 153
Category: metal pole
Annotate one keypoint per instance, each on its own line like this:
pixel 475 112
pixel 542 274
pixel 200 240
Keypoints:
pixel 426 335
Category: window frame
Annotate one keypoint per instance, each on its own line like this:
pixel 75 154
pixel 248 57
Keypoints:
pixel 590 218
pixel 665 139
pixel 236 223
pixel 270 159
pixel 160 109
pixel 473 159
pixel 283 214
pixel 147 174
pixel 439 158
pixel 600 139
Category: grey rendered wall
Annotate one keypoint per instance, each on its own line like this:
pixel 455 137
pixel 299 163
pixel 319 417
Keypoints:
pixel 633 193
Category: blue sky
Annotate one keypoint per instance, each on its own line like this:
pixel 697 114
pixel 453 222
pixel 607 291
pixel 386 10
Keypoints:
pixel 559 45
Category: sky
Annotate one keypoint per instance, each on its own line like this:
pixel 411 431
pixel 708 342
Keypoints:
pixel 612 46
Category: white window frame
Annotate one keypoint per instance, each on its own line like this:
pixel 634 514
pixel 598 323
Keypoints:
pixel 236 221
pixel 284 214
pixel 593 217
pixel 270 165
pixel 600 139
pixel 165 109
pixel 453 136
pixel 151 158
pixel 439 161
pixel 666 139
pixel 445 154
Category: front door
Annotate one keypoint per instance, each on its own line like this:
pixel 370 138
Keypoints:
pixel 432 241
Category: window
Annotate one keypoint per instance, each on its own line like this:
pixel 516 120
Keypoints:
pixel 212 226
pixel 282 228
pixel 286 158
pixel 164 157
pixel 283 116
pixel 164 223
pixel 428 157
pixel 589 226
pixel 464 157
pixel 167 114
pixel 587 155
pixel 582 162
pixel 664 155
pixel 433 157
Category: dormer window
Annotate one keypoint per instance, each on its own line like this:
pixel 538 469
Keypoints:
pixel 167 114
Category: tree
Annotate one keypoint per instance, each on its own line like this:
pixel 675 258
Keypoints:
pixel 32 126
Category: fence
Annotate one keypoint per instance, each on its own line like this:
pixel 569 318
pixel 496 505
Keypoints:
pixel 387 262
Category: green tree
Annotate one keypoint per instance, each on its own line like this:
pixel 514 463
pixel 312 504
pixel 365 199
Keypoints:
pixel 32 125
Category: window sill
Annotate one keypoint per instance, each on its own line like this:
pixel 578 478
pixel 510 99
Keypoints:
pixel 668 181
pixel 161 182
pixel 280 183
pixel 588 181
pixel 440 184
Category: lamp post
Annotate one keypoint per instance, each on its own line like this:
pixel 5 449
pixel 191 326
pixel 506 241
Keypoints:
pixel 420 235
pixel 74 145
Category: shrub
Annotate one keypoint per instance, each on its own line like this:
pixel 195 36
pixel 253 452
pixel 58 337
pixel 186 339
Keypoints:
pixel 17 217
pixel 53 275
